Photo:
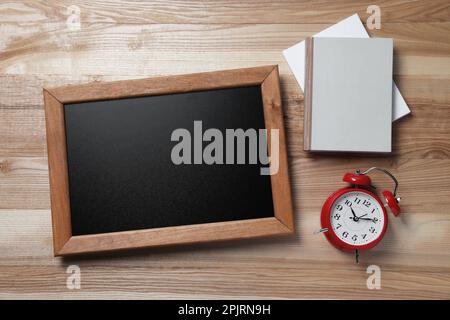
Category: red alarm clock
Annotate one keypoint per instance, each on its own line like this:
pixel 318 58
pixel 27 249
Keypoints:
pixel 354 218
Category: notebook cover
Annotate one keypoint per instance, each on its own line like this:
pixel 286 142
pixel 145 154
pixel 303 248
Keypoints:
pixel 348 94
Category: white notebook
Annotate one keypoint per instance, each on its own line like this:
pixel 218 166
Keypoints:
pixel 350 27
pixel 348 94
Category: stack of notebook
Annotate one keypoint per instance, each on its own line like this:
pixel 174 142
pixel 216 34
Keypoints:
pixel 350 98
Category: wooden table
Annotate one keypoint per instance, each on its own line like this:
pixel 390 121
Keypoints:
pixel 42 45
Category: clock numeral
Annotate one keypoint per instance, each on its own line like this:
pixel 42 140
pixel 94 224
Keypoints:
pixel 339 207
pixel 345 234
pixel 366 203
pixel 348 203
pixel 375 220
pixel 373 210
pixel 364 236
pixel 372 229
pixel 355 237
pixel 357 200
pixel 337 216
pixel 338 226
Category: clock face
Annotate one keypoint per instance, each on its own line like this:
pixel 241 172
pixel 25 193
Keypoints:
pixel 357 218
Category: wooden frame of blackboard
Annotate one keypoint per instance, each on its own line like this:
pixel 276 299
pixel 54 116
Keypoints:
pixel 54 99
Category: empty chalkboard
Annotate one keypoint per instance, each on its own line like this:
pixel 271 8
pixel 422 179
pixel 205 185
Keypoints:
pixel 121 174
pixel 120 179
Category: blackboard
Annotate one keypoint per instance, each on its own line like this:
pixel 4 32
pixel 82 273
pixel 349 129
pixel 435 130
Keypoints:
pixel 121 175
pixel 114 184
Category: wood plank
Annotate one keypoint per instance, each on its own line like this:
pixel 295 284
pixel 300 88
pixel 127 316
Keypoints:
pixel 149 50
pixel 22 127
pixel 25 184
pixel 224 11
pixel 411 268
pixel 251 280
pixel 31 232
pixel 22 132
pixel 22 91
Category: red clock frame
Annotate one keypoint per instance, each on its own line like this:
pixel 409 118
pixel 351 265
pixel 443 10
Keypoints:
pixel 331 235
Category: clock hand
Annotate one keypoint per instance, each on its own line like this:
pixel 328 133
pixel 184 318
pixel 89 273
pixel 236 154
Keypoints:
pixel 355 218
pixel 368 219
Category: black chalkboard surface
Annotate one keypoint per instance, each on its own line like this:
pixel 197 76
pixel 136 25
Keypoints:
pixel 121 176
pixel 116 178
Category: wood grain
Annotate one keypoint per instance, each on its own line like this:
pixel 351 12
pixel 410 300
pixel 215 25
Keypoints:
pixel 186 234
pixel 280 180
pixel 305 266
pixel 225 11
pixel 146 50
pixel 58 171
pixel 160 85
pixel 130 40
